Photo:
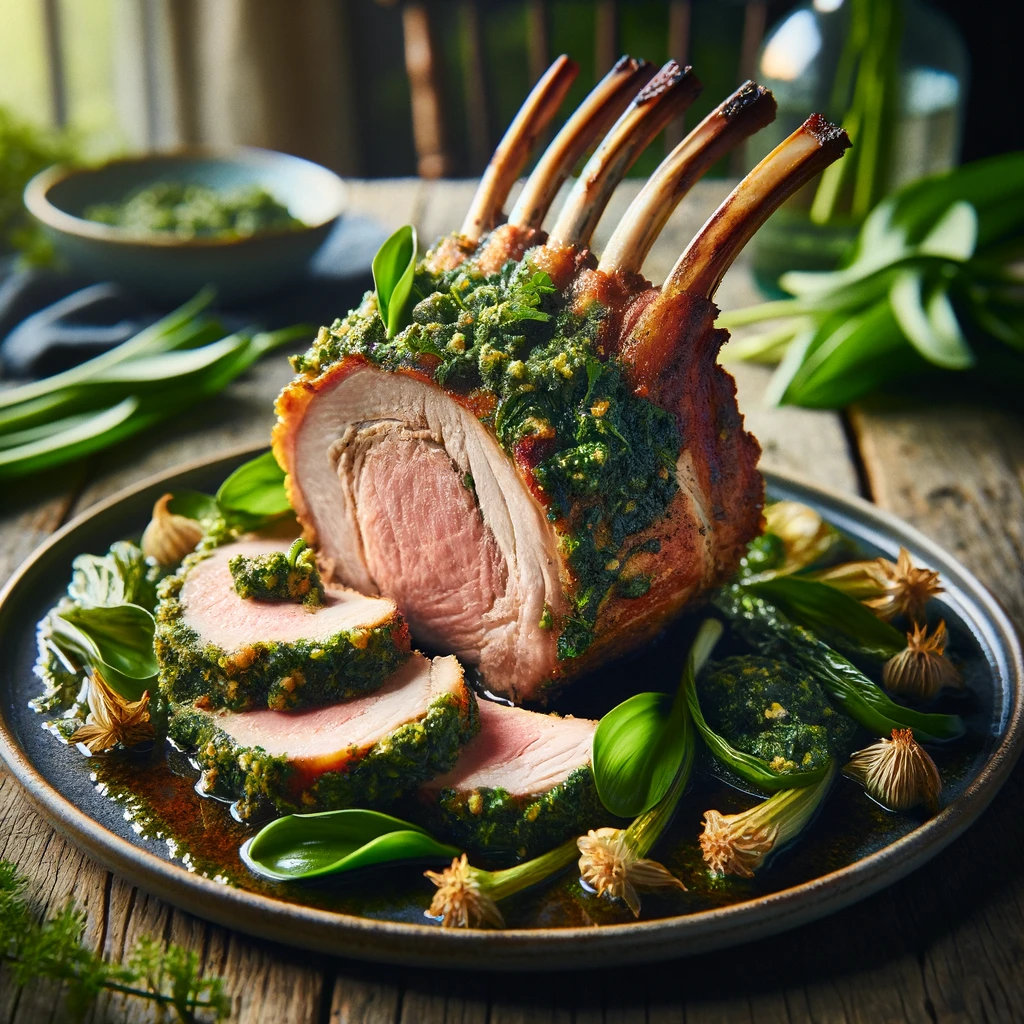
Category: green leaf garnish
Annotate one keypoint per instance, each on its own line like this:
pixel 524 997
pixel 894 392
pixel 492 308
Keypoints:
pixel 765 627
pixel 194 505
pixel 119 638
pixel 394 268
pixel 747 766
pixel 334 842
pixel 255 490
pixel 638 747
pixel 834 616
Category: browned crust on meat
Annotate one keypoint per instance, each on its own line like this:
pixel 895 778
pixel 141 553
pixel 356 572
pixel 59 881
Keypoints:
pixel 504 243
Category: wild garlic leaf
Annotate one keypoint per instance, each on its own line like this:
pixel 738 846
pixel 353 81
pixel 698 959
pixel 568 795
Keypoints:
pixel 833 616
pixel 637 751
pixel 954 235
pixel 764 627
pixel 194 505
pixel 255 489
pixel 639 746
pixel 302 846
pixel 394 268
pixel 119 638
pixel 848 356
pixel 929 324
pixel 748 767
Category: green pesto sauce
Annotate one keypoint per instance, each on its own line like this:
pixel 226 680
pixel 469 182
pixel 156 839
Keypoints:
pixel 606 456
pixel 196 211
pixel 279 576
pixel 767 708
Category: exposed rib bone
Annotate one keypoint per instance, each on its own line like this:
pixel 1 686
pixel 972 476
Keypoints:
pixel 667 95
pixel 746 111
pixel 797 159
pixel 516 145
pixel 594 116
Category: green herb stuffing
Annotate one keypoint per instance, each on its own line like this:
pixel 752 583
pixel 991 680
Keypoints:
pixel 502 825
pixel 768 708
pixel 371 778
pixel 279 576
pixel 602 458
pixel 196 211
pixel 281 676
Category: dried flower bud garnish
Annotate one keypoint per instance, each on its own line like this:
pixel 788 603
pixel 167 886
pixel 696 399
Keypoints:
pixel 467 897
pixel 888 589
pixel 112 719
pixel 461 900
pixel 922 669
pixel 737 844
pixel 899 773
pixel 610 866
pixel 169 537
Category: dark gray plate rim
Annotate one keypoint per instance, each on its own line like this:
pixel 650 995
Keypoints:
pixel 561 948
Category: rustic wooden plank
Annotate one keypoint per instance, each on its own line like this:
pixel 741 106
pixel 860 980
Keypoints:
pixel 366 995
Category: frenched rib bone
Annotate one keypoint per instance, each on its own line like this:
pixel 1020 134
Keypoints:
pixel 515 147
pixel 746 111
pixel 594 116
pixel 808 151
pixel 665 97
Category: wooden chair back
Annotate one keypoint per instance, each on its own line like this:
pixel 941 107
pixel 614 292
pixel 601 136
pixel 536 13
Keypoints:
pixel 432 127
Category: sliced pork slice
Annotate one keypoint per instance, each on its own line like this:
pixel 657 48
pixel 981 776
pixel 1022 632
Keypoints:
pixel 241 653
pixel 363 752
pixel 520 786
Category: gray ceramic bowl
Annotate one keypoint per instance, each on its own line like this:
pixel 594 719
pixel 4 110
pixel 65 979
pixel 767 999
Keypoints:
pixel 167 268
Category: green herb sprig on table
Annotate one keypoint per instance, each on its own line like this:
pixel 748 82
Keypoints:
pixel 935 283
pixel 52 949
pixel 166 368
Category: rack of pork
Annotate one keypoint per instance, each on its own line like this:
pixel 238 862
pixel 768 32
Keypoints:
pixel 534 476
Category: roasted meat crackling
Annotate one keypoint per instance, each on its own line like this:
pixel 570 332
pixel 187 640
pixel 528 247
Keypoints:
pixel 547 463
pixel 226 651
pixel 363 752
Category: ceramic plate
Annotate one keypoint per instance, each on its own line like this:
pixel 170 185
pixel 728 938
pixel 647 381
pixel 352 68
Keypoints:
pixel 170 842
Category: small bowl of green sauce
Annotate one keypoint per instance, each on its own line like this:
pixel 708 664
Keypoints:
pixel 245 221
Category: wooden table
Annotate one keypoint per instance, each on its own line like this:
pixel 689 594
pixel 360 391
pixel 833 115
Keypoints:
pixel 946 944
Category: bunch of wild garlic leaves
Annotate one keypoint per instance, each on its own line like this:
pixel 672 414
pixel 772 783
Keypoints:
pixel 173 364
pixel 935 283
pixel 52 949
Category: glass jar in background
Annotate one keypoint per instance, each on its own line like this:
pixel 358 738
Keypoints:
pixel 811 62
